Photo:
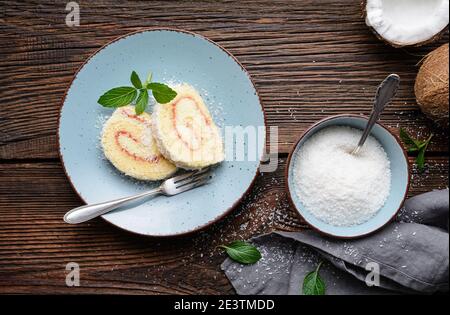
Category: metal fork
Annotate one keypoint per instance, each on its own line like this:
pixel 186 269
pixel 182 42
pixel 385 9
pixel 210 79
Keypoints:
pixel 169 187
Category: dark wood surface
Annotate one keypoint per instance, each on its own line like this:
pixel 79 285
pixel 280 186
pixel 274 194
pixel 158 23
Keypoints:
pixel 309 60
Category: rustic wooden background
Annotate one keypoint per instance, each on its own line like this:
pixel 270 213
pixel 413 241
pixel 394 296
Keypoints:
pixel 309 59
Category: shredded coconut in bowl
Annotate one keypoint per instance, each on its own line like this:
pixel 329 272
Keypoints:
pixel 337 187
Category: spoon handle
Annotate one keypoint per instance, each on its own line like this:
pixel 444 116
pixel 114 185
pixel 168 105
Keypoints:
pixel 385 93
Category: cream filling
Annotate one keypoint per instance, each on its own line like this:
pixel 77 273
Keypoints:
pixel 190 141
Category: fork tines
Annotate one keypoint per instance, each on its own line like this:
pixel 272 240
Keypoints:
pixel 195 177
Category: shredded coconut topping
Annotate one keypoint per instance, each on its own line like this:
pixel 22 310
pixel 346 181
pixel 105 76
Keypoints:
pixel 337 187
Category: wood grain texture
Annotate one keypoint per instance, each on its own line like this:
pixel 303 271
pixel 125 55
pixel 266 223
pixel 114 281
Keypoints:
pixel 308 60
pixel 35 244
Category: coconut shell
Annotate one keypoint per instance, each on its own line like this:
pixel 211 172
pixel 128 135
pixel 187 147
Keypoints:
pixel 431 86
pixel 433 39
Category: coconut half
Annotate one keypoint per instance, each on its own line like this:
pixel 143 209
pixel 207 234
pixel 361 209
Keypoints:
pixel 407 22
pixel 431 86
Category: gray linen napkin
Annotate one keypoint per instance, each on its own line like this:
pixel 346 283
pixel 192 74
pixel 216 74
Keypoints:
pixel 412 254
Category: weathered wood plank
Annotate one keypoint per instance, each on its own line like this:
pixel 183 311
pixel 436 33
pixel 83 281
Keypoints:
pixel 35 244
pixel 308 62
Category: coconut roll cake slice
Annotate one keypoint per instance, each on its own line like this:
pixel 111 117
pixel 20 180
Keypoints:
pixel 128 144
pixel 185 132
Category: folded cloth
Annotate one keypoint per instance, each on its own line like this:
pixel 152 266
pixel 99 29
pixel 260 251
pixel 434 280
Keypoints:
pixel 411 254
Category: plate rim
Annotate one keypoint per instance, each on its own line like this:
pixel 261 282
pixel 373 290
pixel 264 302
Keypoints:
pixel 288 187
pixel 177 30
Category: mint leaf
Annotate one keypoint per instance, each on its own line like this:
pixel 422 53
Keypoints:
pixel 313 283
pixel 162 93
pixel 135 80
pixel 407 140
pixel 141 102
pixel 242 252
pixel 420 160
pixel 118 97
pixel 426 142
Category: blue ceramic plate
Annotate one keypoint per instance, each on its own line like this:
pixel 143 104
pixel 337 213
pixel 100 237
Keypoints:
pixel 399 182
pixel 172 56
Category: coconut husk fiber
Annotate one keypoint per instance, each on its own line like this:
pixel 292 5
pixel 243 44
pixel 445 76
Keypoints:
pixel 431 86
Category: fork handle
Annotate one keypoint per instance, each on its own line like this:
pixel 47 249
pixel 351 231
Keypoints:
pixel 88 212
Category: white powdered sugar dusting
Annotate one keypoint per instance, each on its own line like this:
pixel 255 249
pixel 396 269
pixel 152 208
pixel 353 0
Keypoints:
pixel 337 187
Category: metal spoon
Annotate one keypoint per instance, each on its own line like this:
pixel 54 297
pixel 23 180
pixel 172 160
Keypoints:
pixel 385 93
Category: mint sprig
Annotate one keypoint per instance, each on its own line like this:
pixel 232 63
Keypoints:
pixel 125 95
pixel 414 145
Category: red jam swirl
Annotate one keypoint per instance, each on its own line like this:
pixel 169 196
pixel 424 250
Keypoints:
pixel 123 133
pixel 189 125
